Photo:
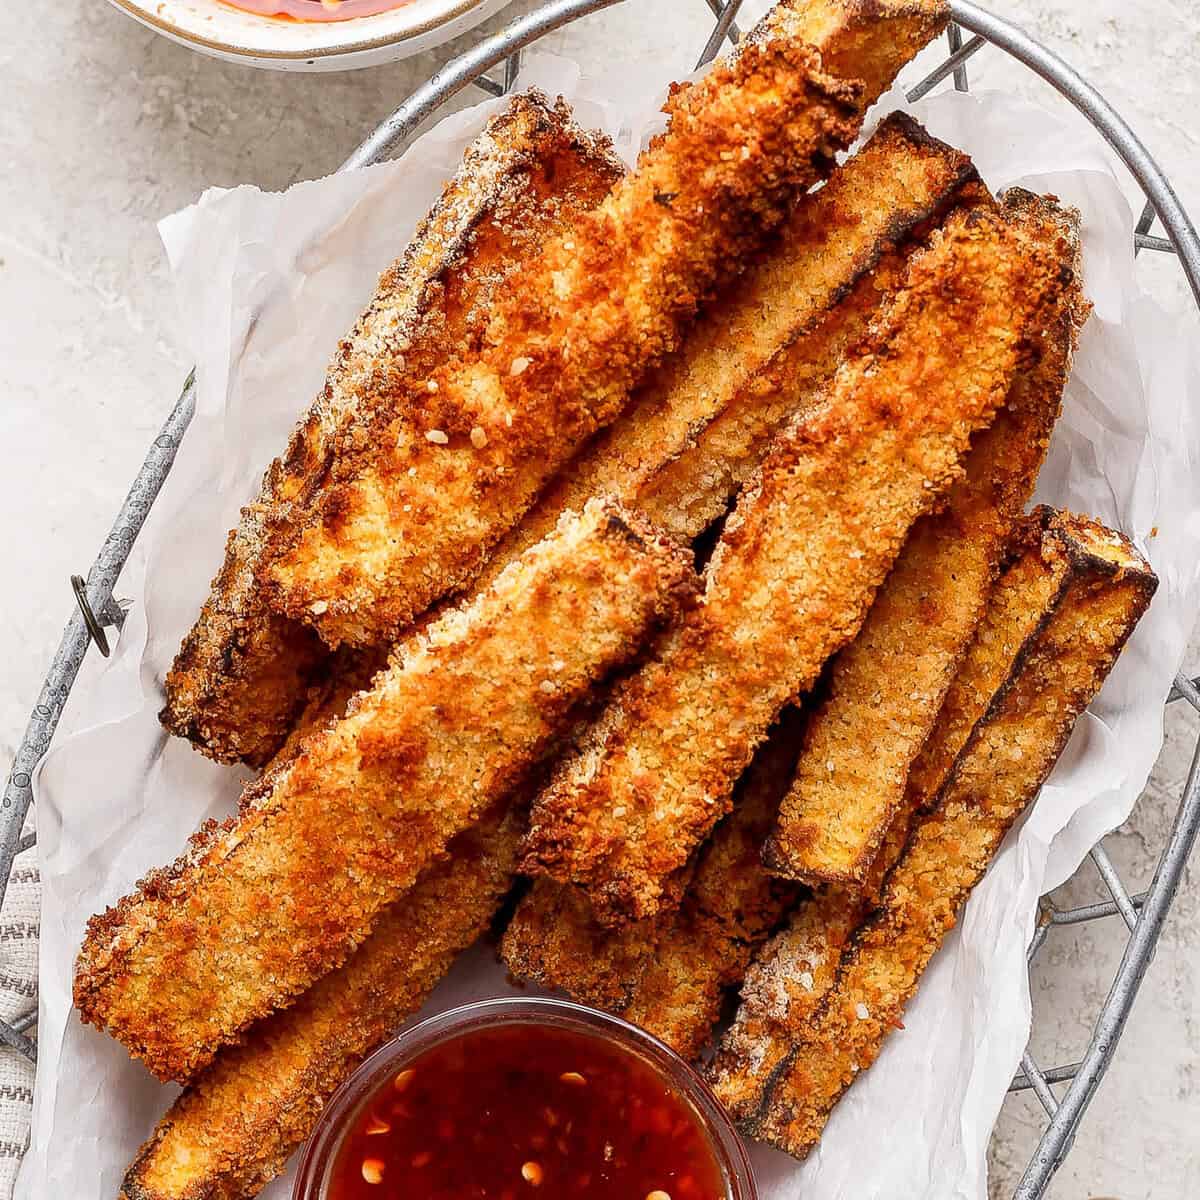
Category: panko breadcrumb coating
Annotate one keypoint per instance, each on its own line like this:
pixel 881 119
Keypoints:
pixel 265 904
pixel 886 687
pixel 234 1126
pixel 469 444
pixel 732 906
pixel 668 973
pixel 764 347
pixel 1107 587
pixel 244 672
pixel 796 567
pixel 791 976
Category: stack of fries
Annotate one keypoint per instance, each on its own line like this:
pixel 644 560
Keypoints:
pixel 463 631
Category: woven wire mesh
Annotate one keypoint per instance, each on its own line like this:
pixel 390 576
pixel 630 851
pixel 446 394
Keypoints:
pixel 1064 1091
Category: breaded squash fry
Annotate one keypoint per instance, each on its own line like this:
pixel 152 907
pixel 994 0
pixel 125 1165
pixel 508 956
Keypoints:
pixel 1107 586
pixel 796 567
pixel 699 425
pixel 265 904
pixel 783 987
pixel 243 672
pixel 667 972
pixel 887 686
pixel 471 442
pixel 554 940
pixel 791 976
pixel 236 1123
pixel 731 908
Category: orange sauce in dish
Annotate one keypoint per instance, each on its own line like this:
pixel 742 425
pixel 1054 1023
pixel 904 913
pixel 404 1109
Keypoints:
pixel 526 1112
pixel 316 10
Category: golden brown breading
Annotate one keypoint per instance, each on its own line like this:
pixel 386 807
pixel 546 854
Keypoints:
pixel 1027 590
pixel 886 688
pixel 791 976
pixel 731 907
pixel 796 567
pixel 278 896
pixel 554 940
pixel 234 1126
pixel 243 671
pixel 348 672
pixel 764 348
pixel 471 442
pixel 1106 587
pixel 667 972
pixel 700 423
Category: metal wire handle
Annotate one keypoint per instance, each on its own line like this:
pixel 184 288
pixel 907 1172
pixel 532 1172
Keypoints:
pixel 1143 914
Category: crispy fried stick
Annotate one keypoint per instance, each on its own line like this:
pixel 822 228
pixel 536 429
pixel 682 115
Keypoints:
pixel 697 427
pixel 886 687
pixel 243 672
pixel 731 908
pixel 236 1123
pixel 667 972
pixel 792 975
pixel 796 568
pixel 1105 587
pixel 554 940
pixel 413 515
pixel 264 905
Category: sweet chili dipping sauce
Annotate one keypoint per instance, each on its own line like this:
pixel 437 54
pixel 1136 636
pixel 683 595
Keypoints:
pixel 316 10
pixel 525 1109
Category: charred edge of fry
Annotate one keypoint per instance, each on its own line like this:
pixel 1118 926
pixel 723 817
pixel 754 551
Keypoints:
pixel 243 672
pixel 846 796
pixel 847 33
pixel 1109 588
pixel 723 193
pixel 233 1128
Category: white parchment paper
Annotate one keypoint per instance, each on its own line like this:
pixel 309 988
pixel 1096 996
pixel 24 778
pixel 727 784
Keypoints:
pixel 266 284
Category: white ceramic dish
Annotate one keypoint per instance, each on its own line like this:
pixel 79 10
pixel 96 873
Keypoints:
pixel 225 32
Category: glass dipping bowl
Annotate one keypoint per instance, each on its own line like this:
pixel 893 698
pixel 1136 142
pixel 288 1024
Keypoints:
pixel 340 1116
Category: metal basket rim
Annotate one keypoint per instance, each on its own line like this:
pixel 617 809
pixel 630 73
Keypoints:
pixel 1144 913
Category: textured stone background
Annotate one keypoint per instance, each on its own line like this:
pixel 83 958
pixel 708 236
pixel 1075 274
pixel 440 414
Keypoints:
pixel 105 127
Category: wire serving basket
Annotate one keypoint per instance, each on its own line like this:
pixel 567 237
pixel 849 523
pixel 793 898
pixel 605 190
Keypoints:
pixel 971 30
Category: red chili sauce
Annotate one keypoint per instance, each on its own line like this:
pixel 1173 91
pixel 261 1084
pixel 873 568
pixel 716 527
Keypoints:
pixel 519 1112
pixel 316 10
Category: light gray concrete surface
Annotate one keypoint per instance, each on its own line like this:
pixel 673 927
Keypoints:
pixel 104 127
